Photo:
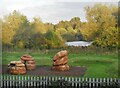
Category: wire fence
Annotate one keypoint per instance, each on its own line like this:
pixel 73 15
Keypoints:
pixel 18 81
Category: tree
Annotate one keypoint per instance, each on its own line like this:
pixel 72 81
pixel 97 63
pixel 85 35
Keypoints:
pixel 53 40
pixel 49 26
pixel 100 23
pixel 22 38
pixel 38 25
pixel 75 23
pixel 69 30
pixel 61 31
pixel 115 12
pixel 39 41
pixel 10 25
pixel 99 18
pixel 108 38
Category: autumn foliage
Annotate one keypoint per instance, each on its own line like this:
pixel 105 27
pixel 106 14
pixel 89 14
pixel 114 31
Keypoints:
pixel 101 27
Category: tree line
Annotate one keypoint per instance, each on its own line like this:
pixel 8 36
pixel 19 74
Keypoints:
pixel 101 28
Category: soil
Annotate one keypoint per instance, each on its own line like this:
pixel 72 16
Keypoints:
pixel 47 71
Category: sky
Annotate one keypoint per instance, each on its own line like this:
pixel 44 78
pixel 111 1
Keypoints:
pixel 51 11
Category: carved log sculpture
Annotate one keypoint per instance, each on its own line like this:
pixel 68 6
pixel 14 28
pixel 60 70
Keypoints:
pixel 28 61
pixel 60 61
pixel 16 67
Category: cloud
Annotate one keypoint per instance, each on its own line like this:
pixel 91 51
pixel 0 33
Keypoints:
pixel 48 10
pixel 56 11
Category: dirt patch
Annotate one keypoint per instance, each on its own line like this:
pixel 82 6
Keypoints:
pixel 47 71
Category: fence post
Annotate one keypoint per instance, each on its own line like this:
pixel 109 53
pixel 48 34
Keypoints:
pixel 86 80
pixel 22 84
pixel 69 79
pixel 107 81
pixel 72 81
pixel 79 82
pixel 19 81
pixel 90 81
pixel 93 82
pixel 44 78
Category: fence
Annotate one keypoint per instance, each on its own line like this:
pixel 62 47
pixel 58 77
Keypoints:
pixel 16 81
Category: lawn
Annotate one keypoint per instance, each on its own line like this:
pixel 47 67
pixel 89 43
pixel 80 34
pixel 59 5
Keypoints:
pixel 98 65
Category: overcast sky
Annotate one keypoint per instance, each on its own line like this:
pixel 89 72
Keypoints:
pixel 50 10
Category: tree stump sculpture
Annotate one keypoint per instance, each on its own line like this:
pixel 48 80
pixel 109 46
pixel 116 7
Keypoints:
pixel 28 61
pixel 60 61
pixel 16 67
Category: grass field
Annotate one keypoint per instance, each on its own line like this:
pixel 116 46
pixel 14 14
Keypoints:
pixel 98 64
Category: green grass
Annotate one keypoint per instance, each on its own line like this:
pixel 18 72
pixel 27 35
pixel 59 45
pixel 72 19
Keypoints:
pixel 98 65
